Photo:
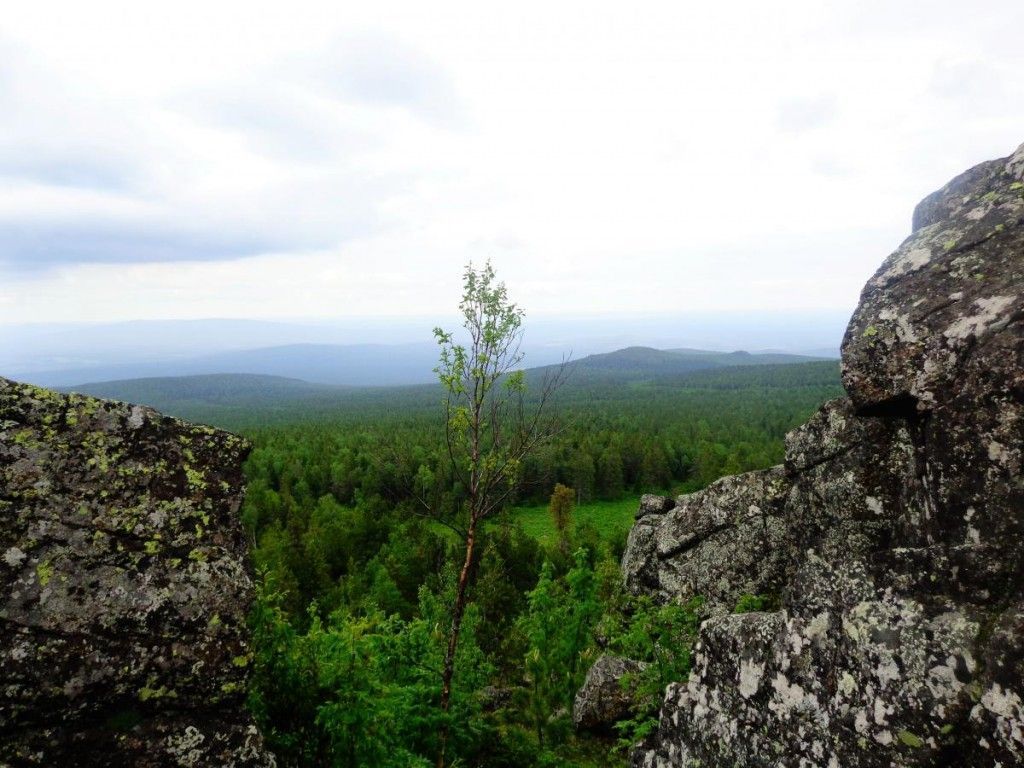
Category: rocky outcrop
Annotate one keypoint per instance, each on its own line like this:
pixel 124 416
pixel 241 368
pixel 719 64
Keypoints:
pixel 125 590
pixel 892 537
pixel 718 544
pixel 607 694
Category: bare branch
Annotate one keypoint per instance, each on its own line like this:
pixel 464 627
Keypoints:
pixel 440 519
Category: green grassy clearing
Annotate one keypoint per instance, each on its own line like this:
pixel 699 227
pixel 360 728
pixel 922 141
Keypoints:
pixel 611 518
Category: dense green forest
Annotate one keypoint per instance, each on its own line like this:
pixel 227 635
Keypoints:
pixel 357 582
pixel 245 400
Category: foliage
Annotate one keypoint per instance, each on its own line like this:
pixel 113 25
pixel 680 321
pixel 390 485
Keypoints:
pixel 563 500
pixel 663 637
pixel 350 628
pixel 361 690
pixel 558 628
pixel 752 603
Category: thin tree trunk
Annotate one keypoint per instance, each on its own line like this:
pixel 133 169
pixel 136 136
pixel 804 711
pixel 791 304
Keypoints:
pixel 453 638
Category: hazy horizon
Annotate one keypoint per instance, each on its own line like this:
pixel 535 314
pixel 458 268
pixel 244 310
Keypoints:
pixel 56 354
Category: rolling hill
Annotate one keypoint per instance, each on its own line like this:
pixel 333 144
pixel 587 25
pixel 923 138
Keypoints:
pixel 357 365
pixel 228 399
pixel 644 362
pixel 212 389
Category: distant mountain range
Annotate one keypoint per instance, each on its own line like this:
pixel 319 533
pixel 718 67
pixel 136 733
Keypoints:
pixel 647 361
pixel 382 365
pixel 204 396
pixel 373 351
pixel 339 364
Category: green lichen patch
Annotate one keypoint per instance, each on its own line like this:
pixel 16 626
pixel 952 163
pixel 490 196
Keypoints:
pixel 44 572
pixel 908 738
pixel 146 693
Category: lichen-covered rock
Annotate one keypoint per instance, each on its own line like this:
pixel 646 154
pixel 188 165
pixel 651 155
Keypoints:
pixel 729 534
pixel 892 538
pixel 606 695
pixel 653 505
pixel 939 304
pixel 122 619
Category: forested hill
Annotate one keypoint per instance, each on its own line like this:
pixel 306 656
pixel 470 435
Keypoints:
pixel 237 401
pixel 645 361
pixel 214 388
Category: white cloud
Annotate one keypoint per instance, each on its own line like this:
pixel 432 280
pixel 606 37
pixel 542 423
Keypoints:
pixel 280 160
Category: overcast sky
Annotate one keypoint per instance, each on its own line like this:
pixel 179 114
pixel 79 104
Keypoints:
pixel 299 159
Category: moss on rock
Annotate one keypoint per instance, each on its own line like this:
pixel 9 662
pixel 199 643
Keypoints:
pixel 119 647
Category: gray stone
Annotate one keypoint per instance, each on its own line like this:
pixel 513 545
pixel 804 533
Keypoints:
pixel 719 543
pixel 606 696
pixel 653 505
pixel 893 535
pixel 126 587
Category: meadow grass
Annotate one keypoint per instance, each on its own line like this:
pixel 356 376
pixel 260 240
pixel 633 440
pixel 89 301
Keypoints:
pixel 612 519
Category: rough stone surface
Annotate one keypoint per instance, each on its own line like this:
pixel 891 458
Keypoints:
pixel 605 697
pixel 713 543
pixel 892 537
pixel 125 590
pixel 653 505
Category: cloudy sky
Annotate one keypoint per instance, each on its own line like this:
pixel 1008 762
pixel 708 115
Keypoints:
pixel 301 159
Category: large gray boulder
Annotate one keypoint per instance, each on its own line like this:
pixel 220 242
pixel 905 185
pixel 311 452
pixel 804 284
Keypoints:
pixel 607 694
pixel 125 587
pixel 892 537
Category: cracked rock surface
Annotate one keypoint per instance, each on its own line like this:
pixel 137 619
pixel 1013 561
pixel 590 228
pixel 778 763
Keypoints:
pixel 892 538
pixel 125 587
